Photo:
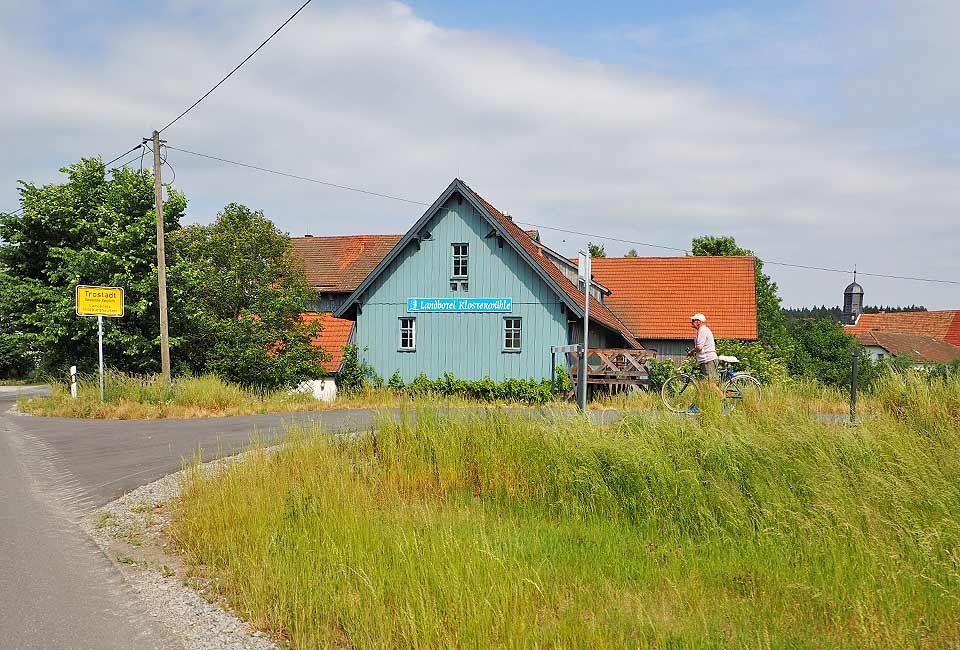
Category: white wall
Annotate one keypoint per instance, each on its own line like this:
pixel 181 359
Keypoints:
pixel 323 389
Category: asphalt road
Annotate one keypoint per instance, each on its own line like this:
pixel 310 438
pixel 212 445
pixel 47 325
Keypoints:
pixel 57 590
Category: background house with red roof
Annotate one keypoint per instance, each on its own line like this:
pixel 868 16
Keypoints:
pixel 335 267
pixel 921 336
pixel 655 297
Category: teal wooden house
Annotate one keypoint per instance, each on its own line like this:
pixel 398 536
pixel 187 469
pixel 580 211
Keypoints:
pixel 467 291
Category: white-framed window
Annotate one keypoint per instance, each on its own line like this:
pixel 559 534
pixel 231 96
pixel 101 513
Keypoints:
pixel 511 334
pixel 460 254
pixel 408 334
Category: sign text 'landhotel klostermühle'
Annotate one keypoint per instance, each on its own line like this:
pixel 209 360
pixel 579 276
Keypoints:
pixel 460 305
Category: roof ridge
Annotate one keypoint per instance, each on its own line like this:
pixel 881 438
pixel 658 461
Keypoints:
pixel 613 321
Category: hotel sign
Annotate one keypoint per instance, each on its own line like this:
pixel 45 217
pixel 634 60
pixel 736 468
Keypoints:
pixel 460 305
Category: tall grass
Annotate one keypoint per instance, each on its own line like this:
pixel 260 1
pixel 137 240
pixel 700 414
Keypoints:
pixel 767 528
pixel 128 397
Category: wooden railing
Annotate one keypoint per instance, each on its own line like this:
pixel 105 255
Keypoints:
pixel 614 366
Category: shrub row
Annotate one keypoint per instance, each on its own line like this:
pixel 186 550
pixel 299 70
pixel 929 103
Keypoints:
pixel 531 391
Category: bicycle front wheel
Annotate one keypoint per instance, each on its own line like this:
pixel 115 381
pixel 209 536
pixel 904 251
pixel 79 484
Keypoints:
pixel 679 393
pixel 740 389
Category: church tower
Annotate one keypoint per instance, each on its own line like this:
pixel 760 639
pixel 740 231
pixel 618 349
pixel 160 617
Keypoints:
pixel 852 302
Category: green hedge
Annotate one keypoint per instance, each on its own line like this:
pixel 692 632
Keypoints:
pixel 531 391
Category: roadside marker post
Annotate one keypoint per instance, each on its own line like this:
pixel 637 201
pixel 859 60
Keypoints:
pixel 99 302
pixel 73 382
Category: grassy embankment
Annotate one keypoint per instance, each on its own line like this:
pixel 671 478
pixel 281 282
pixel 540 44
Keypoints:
pixel 128 397
pixel 765 529
pixel 132 397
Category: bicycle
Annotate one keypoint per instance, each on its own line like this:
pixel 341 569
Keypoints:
pixel 680 391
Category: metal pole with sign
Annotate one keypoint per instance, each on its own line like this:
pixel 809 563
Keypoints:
pixel 100 350
pixel 853 385
pixel 584 275
pixel 100 302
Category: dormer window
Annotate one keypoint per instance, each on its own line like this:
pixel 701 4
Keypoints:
pixel 460 255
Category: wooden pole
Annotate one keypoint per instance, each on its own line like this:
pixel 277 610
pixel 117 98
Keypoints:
pixel 161 263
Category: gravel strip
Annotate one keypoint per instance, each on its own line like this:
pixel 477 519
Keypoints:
pixel 130 532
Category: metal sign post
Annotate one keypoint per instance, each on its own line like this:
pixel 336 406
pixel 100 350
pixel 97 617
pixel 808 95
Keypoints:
pixel 584 275
pixel 100 302
pixel 100 348
pixel 853 386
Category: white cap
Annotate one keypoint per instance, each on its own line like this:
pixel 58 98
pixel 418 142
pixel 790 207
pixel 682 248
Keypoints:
pixel 699 317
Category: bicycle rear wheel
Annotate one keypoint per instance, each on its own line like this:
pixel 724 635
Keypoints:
pixel 679 393
pixel 740 389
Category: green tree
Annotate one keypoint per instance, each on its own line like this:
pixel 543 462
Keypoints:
pixel 824 351
pixel 632 253
pixel 90 229
pixel 243 295
pixel 771 321
pixel 597 250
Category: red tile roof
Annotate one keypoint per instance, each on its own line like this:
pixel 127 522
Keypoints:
pixel 340 264
pixel 655 296
pixel 943 325
pixel 916 347
pixel 334 335
pixel 598 311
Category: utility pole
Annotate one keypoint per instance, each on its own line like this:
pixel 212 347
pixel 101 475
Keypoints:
pixel 161 262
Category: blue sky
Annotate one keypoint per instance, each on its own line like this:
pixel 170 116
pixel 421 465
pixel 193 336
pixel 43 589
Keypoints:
pixel 815 132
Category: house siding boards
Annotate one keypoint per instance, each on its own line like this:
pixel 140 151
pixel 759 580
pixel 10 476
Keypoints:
pixel 469 345
pixel 668 347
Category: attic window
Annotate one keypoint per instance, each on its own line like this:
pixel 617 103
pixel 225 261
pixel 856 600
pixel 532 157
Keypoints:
pixel 460 254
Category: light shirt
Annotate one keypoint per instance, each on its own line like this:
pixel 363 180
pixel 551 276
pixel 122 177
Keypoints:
pixel 708 350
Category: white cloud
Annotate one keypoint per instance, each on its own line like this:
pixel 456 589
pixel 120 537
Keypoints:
pixel 375 96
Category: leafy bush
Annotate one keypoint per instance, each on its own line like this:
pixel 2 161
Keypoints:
pixel 563 380
pixel 16 361
pixel 755 359
pixel 659 371
pixel 396 382
pixel 350 377
pixel 530 391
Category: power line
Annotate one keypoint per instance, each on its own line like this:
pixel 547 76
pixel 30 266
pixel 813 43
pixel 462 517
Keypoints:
pixel 139 156
pixel 106 164
pixel 765 261
pixel 564 230
pixel 239 65
pixel 872 275
pixel 616 239
pixel 164 162
pixel 299 178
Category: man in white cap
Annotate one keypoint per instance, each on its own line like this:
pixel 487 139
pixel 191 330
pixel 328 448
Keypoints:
pixel 704 347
